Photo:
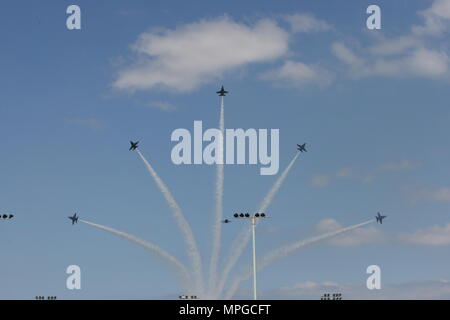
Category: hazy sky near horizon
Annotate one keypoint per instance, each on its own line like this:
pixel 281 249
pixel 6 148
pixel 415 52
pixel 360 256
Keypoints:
pixel 372 106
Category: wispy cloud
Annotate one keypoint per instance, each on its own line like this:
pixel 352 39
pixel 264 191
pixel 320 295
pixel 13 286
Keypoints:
pixel 162 105
pixel 399 165
pixel 432 289
pixel 437 194
pixel 365 176
pixel 432 236
pixel 436 19
pixel 184 58
pixel 421 62
pixel 295 74
pixel 402 56
pixel 399 45
pixel 305 22
pixel 320 180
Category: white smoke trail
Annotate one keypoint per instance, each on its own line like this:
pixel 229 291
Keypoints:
pixel 183 225
pixel 180 270
pixel 245 234
pixel 241 239
pixel 286 250
pixel 278 183
pixel 217 228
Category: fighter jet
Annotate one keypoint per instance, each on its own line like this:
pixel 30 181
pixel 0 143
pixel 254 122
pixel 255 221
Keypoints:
pixel 380 218
pixel 301 147
pixel 74 219
pixel 134 145
pixel 226 221
pixel 222 92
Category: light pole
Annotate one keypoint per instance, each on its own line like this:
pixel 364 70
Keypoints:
pixel 253 222
pixel 252 219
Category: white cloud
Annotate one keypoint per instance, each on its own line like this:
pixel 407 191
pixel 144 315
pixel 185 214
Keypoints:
pixel 432 289
pixel 395 46
pixel 356 237
pixel 433 236
pixel 441 194
pixel 184 58
pixel 403 56
pixel 368 178
pixel 298 74
pixel 162 105
pixel 305 22
pixel 436 19
pixel 346 55
pixel 428 63
pixel 327 225
pixel 344 173
pixel 320 180
pixel 400 165
pixel 420 62
pixel 361 175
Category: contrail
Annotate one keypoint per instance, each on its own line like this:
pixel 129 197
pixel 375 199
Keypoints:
pixel 217 228
pixel 180 270
pixel 245 234
pixel 243 237
pixel 269 197
pixel 183 225
pixel 286 250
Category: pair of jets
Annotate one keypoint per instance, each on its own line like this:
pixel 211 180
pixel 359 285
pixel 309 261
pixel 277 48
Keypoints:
pixel 379 218
pixel 300 147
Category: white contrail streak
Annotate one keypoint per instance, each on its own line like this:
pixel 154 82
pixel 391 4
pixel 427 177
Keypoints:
pixel 286 250
pixel 183 225
pixel 278 183
pixel 243 237
pixel 180 270
pixel 217 228
pixel 245 234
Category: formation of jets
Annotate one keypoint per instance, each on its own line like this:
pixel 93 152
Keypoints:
pixel 222 92
pixel 74 218
pixel 134 145
pixel 302 147
pixel 380 218
pixel 7 216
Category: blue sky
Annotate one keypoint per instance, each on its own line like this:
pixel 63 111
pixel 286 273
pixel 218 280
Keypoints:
pixel 371 104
